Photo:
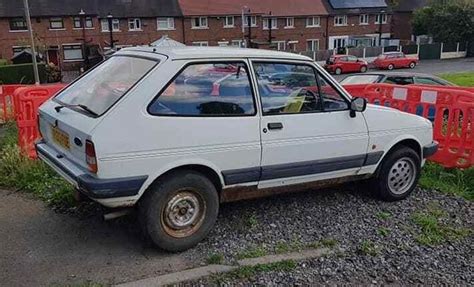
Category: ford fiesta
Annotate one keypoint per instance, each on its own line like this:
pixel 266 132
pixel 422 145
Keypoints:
pixel 175 132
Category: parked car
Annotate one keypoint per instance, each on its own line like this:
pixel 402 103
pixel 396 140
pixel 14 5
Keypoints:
pixel 339 64
pixel 393 60
pixel 395 78
pixel 143 130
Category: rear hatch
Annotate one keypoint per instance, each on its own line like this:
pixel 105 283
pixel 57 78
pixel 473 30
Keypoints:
pixel 67 121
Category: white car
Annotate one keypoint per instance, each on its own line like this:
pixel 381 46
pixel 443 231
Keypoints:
pixel 177 131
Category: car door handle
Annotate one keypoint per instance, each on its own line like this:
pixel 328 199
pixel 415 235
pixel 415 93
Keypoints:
pixel 275 126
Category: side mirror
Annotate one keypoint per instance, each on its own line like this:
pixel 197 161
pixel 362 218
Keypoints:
pixel 358 105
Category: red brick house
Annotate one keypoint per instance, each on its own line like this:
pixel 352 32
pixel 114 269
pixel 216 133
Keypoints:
pixel 296 27
pixel 402 18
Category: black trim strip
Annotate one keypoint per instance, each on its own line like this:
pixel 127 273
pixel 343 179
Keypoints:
pixel 254 174
pixel 430 149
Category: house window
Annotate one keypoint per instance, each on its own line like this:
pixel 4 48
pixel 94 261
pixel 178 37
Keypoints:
pixel 237 43
pixel 290 22
pixel 253 21
pixel 229 22
pixel 381 19
pixel 340 20
pixel 312 45
pixel 56 23
pixel 364 19
pixel 135 24
pixel 73 52
pixel 18 24
pixel 313 22
pixel 165 23
pixel 280 45
pixel 78 22
pixel 104 23
pixel 274 23
pixel 201 44
pixel 199 23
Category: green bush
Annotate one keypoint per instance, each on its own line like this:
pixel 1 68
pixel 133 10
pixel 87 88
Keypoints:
pixel 3 62
pixel 21 74
pixel 19 172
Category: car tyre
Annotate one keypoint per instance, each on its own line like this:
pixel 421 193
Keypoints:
pixel 338 71
pixel 398 175
pixel 363 69
pixel 390 67
pixel 179 210
pixel 412 65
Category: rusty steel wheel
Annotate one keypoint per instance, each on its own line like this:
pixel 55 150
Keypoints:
pixel 183 214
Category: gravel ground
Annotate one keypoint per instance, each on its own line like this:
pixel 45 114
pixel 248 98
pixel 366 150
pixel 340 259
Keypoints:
pixel 376 241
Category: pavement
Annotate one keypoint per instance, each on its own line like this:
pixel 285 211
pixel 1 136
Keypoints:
pixel 41 248
pixel 433 67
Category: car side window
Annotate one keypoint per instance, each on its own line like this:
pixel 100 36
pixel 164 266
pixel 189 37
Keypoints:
pixel 207 89
pixel 332 99
pixel 399 80
pixel 296 91
pixel 426 81
pixel 352 59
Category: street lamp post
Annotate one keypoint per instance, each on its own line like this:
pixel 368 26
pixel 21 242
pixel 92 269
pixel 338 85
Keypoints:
pixel 110 18
pixel 32 39
pixel 82 15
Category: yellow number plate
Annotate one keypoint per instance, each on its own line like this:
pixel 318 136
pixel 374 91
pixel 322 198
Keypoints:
pixel 60 137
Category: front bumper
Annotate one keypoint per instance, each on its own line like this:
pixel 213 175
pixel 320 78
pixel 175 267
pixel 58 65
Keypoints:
pixel 86 182
pixel 430 149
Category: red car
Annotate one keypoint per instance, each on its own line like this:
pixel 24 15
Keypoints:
pixel 394 60
pixel 339 64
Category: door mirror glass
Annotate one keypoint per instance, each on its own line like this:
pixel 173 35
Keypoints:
pixel 358 105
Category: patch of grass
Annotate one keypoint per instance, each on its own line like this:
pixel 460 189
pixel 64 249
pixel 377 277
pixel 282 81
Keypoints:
pixel 451 181
pixel 252 252
pixel 286 247
pixel 432 230
pixel 367 247
pixel 384 215
pixel 21 173
pixel 383 231
pixel 327 242
pixel 246 272
pixel 215 258
pixel 461 79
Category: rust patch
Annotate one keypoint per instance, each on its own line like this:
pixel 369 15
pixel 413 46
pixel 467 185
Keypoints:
pixel 248 192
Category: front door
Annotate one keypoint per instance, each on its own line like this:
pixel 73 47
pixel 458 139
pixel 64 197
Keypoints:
pixel 53 57
pixel 306 129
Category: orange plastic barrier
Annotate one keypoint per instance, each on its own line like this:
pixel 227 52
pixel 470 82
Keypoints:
pixel 452 111
pixel 7 102
pixel 29 100
pixel 356 90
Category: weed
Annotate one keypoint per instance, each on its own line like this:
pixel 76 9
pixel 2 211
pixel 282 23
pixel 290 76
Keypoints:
pixel 384 215
pixel 367 247
pixel 285 247
pixel 215 258
pixel 250 222
pixel 329 242
pixel 383 231
pixel 252 252
pixel 451 181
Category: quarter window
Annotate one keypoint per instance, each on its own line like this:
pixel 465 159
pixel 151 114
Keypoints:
pixel 213 89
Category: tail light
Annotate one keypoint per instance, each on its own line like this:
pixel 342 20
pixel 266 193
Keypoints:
pixel 91 159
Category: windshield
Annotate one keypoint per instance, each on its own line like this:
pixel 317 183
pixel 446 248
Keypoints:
pixel 101 88
pixel 363 79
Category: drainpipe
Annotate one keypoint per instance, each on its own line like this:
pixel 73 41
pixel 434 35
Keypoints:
pixel 184 30
pixel 327 32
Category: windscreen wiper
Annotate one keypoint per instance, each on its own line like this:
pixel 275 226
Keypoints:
pixel 84 107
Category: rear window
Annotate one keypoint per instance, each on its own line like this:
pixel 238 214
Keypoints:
pixel 102 87
pixel 363 79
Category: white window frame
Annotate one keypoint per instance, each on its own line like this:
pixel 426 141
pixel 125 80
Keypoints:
pixel 78 49
pixel 364 19
pixel 313 46
pixel 104 25
pixel 203 23
pixel 289 23
pixel 169 23
pixel 134 24
pixel 312 22
pixel 384 18
pixel 200 44
pixel 344 20
pixel 88 21
pixel 223 43
pixel 274 23
pixel 237 43
pixel 56 20
pixel 253 21
pixel 227 23
pixel 280 44
pixel 20 30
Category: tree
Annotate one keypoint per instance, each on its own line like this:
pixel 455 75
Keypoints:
pixel 446 21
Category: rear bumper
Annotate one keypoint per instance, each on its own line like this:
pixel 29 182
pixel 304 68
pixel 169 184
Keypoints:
pixel 87 183
pixel 430 149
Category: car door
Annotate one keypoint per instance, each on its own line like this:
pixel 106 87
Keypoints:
pixel 353 64
pixel 307 133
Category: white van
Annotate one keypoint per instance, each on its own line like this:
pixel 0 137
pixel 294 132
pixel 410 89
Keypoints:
pixel 177 131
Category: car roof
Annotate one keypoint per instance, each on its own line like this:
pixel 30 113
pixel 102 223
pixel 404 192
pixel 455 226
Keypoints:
pixel 391 53
pixel 179 53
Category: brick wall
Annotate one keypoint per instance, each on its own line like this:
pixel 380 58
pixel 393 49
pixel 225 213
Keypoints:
pixel 401 25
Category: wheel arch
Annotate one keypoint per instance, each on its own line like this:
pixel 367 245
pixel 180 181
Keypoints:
pixel 410 142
